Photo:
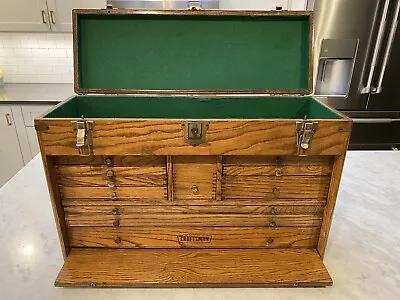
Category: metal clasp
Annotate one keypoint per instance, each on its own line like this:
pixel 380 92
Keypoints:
pixel 304 134
pixel 195 132
pixel 84 136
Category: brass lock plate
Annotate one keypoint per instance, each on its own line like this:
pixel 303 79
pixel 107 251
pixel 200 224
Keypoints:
pixel 84 136
pixel 195 132
pixel 304 134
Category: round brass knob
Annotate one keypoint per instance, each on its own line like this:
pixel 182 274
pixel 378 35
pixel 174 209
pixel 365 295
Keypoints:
pixel 278 172
pixel 272 223
pixel 276 191
pixel 110 173
pixel 274 211
pixel 115 211
pixel 118 240
pixel 113 195
pixel 116 223
pixel 195 189
pixel 108 161
pixel 270 240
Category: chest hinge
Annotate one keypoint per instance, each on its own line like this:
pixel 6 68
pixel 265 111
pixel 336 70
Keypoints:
pixel 195 132
pixel 84 136
pixel 304 134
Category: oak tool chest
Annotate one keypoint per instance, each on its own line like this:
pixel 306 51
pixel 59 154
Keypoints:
pixel 192 154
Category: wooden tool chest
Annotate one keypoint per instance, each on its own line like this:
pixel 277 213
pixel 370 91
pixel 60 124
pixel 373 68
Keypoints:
pixel 191 154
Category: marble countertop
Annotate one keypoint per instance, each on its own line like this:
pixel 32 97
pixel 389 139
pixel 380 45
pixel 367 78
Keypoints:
pixel 362 254
pixel 35 92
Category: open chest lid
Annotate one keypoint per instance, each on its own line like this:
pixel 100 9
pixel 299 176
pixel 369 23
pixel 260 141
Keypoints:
pixel 192 52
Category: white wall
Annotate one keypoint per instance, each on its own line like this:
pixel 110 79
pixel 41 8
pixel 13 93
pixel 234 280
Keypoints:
pixel 36 57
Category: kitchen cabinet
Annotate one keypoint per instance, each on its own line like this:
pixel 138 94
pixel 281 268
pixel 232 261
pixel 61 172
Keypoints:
pixel 60 12
pixel 24 15
pixel 18 137
pixel 10 152
pixel 41 15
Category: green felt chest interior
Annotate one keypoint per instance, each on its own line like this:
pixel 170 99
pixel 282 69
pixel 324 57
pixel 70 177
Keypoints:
pixel 192 108
pixel 193 52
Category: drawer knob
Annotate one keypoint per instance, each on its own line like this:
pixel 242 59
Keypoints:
pixel 115 211
pixel 278 172
pixel 110 173
pixel 276 191
pixel 118 240
pixel 270 240
pixel 108 161
pixel 116 223
pixel 113 195
pixel 111 185
pixel 195 189
pixel 274 211
pixel 272 223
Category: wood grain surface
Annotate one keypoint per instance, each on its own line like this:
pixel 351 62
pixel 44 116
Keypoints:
pixel 193 268
pixel 131 192
pixel 194 237
pixel 123 161
pixel 197 209
pixel 162 202
pixel 166 137
pixel 199 220
pixel 298 187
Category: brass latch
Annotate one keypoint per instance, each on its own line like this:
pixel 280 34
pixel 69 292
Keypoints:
pixel 195 132
pixel 84 136
pixel 304 134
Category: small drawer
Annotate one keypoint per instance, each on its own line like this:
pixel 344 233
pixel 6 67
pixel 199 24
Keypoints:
pixel 146 176
pixel 194 177
pixel 264 187
pixel 277 166
pixel 200 237
pixel 112 161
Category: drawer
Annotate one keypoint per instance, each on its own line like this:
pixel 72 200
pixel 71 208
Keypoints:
pixel 107 193
pixel 110 161
pixel 118 219
pixel 277 166
pixel 147 176
pixel 116 208
pixel 194 177
pixel 201 237
pixel 268 187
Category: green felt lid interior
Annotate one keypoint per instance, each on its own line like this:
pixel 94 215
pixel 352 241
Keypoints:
pixel 195 51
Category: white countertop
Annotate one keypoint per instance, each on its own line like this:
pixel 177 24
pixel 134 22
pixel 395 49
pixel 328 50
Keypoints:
pixel 362 254
pixel 35 92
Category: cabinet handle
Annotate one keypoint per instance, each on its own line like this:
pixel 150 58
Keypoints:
pixel 52 17
pixel 44 17
pixel 8 119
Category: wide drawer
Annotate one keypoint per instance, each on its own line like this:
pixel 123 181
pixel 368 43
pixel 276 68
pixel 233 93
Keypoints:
pixel 200 237
pixel 204 220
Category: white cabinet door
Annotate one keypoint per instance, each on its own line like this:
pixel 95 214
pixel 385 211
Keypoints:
pixel 24 15
pixel 29 113
pixel 61 12
pixel 10 153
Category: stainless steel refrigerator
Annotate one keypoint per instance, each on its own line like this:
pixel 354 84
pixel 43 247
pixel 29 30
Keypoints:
pixel 357 65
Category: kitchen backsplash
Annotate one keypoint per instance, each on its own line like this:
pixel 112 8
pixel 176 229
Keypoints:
pixel 36 57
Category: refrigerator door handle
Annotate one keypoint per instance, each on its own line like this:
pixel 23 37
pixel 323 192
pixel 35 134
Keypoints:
pixel 392 35
pixel 378 45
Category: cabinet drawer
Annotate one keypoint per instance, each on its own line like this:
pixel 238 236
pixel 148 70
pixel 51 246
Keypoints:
pixel 116 208
pixel 147 176
pixel 277 166
pixel 106 193
pixel 194 177
pixel 111 161
pixel 201 237
pixel 264 187
pixel 191 220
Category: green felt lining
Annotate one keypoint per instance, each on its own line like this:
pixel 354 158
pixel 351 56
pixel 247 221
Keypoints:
pixel 193 52
pixel 192 108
